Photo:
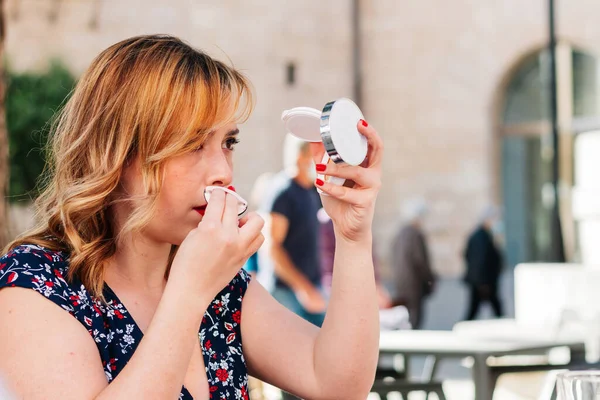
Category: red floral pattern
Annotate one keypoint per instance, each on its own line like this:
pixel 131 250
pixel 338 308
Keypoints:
pixel 114 331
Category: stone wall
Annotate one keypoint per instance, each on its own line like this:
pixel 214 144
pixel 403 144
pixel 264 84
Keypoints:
pixel 434 74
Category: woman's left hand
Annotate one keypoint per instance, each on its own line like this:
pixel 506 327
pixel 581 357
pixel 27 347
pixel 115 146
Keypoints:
pixel 351 207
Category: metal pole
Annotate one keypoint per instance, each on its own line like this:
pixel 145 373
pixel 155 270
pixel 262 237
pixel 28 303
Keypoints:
pixel 557 249
pixel 356 54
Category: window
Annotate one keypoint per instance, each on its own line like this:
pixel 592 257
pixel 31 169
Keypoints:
pixel 290 73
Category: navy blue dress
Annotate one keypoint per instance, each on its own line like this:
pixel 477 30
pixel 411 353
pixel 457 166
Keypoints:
pixel 115 332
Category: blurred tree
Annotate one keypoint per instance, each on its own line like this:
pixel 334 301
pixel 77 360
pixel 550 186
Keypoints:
pixel 3 143
pixel 32 100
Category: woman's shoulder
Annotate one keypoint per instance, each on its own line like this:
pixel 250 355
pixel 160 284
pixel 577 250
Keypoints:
pixel 29 250
pixel 27 259
pixel 42 269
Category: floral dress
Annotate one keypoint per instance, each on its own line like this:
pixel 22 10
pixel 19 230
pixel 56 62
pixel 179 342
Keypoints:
pixel 115 332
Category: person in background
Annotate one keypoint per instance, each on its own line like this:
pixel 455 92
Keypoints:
pixel 295 236
pixel 413 277
pixel 266 189
pixel 484 264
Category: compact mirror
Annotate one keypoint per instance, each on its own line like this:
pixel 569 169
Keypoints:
pixel 335 126
pixel 242 204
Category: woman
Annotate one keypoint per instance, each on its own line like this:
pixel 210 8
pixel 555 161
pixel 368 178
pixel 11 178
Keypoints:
pixel 149 273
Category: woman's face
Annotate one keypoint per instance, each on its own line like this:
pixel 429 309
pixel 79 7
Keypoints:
pixel 181 202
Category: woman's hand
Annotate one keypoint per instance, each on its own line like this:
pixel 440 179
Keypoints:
pixel 351 207
pixel 213 253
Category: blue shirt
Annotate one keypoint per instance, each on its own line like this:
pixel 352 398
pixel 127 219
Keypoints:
pixel 299 206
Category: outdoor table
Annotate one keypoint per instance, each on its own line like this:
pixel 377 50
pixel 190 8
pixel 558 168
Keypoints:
pixel 447 344
pixel 511 329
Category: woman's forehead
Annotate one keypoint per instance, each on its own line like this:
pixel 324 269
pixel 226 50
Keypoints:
pixel 229 129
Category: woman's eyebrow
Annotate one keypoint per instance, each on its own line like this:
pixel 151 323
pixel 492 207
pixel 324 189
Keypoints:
pixel 233 132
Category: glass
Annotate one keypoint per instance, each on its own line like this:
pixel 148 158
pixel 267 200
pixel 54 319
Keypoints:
pixel 579 385
pixel 527 217
pixel 527 93
pixel 586 85
pixel 527 188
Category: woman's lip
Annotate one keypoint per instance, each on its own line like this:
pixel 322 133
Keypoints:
pixel 200 210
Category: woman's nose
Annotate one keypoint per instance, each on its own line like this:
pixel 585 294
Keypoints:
pixel 219 170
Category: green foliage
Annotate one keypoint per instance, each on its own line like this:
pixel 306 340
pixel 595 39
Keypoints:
pixel 32 99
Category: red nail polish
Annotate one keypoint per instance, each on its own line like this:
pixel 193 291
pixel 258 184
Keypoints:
pixel 364 123
pixel 321 167
pixel 231 188
pixel 319 182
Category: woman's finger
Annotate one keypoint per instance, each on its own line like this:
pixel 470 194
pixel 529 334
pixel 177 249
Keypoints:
pixel 356 197
pixel 251 229
pixel 243 221
pixel 255 245
pixel 215 207
pixel 230 212
pixel 375 153
pixel 364 177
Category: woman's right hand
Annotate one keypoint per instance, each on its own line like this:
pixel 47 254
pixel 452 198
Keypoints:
pixel 213 252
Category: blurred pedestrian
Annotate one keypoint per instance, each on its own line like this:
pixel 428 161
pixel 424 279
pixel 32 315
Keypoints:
pixel 295 235
pixel 484 264
pixel 413 277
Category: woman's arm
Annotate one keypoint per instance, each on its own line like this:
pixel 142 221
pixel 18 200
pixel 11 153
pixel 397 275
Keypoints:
pixel 45 353
pixel 347 348
pixel 336 362
pixel 339 360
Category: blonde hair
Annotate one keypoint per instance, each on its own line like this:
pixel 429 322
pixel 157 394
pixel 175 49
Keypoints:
pixel 149 98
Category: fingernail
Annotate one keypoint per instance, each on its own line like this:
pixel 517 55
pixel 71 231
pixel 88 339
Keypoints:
pixel 364 123
pixel 231 188
pixel 321 167
pixel 319 182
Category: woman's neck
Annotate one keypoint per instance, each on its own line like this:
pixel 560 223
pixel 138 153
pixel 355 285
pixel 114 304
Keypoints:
pixel 140 263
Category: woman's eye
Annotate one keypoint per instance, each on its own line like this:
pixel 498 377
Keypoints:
pixel 230 143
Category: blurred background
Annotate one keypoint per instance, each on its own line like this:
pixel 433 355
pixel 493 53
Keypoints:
pixel 473 107
pixel 459 91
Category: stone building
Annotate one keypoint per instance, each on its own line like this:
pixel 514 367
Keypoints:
pixel 456 89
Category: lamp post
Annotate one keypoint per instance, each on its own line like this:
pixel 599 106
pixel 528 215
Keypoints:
pixel 557 248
